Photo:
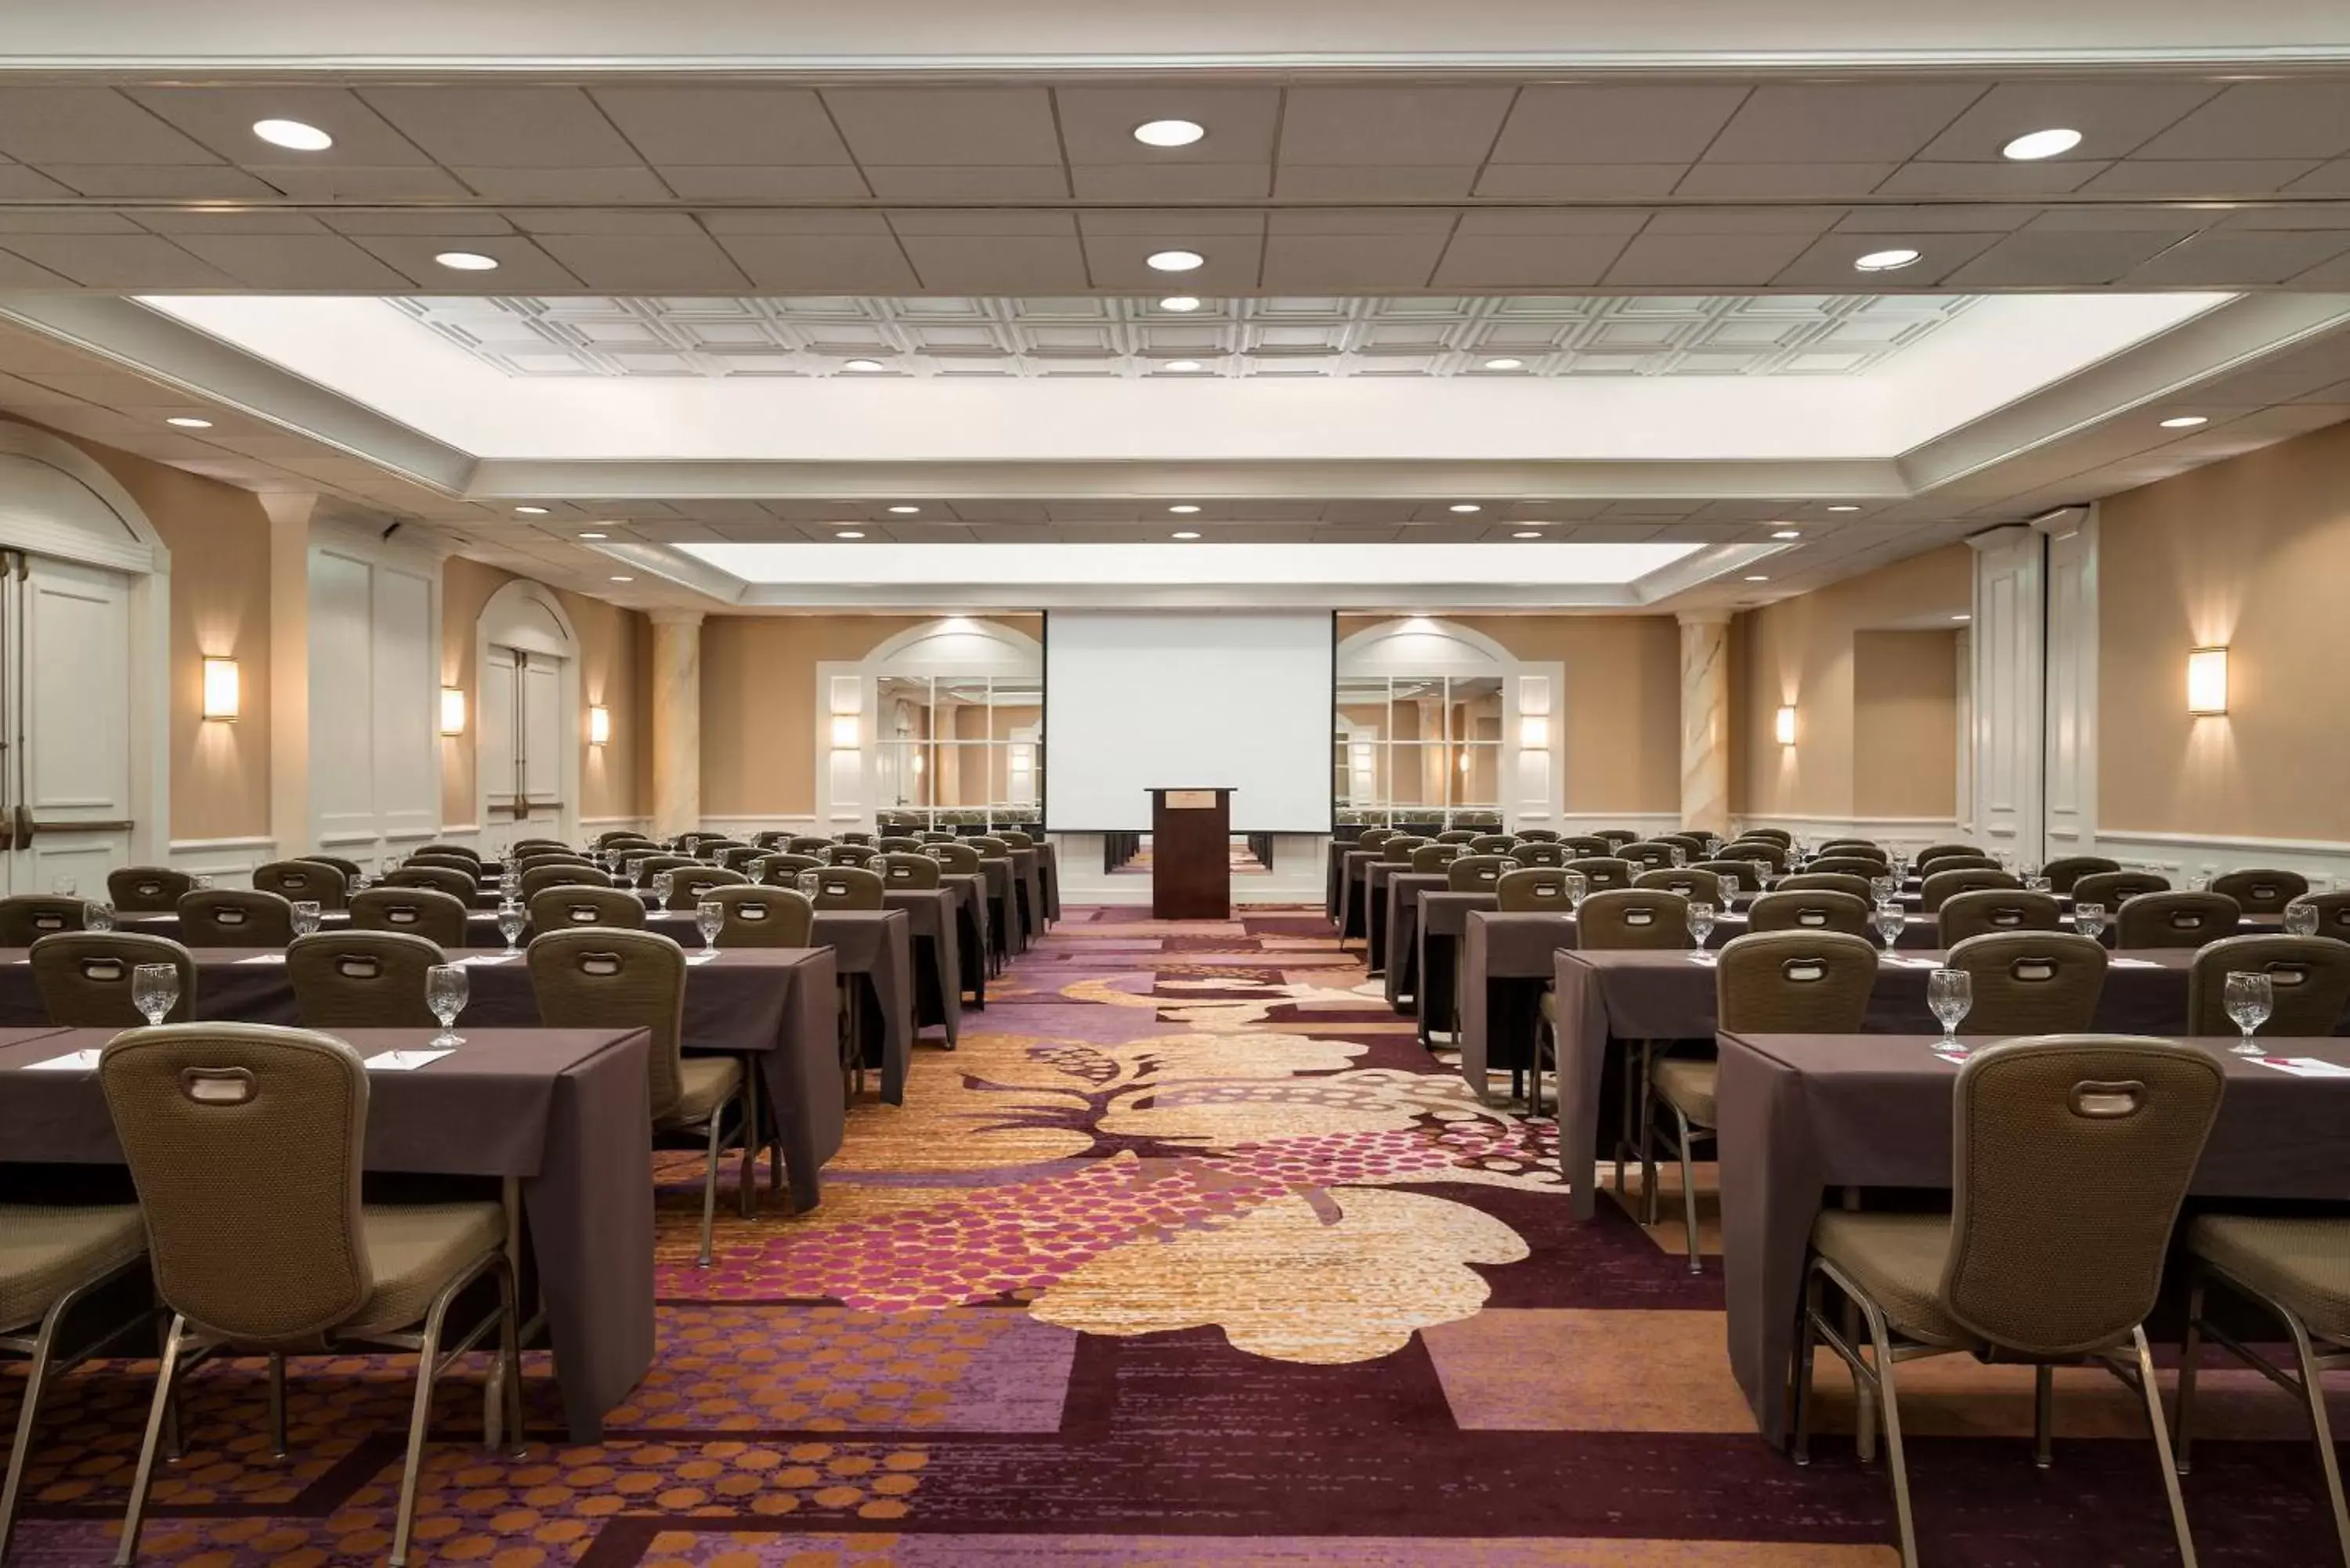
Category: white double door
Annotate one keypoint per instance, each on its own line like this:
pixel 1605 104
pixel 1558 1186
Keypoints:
pixel 64 724
pixel 522 741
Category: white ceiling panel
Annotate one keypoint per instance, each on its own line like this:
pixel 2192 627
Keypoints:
pixel 737 126
pixel 1399 127
pixel 2263 119
pixel 293 261
pixel 117 261
pixel 505 127
pixel 1841 122
pixel 222 118
pixel 88 125
pixel 2115 119
pixel 1589 123
pixel 1098 124
pixel 950 126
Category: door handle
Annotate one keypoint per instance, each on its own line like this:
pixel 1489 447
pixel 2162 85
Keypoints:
pixel 22 824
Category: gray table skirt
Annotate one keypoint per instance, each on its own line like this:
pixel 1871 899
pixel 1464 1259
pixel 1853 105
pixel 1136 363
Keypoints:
pixel 1444 920
pixel 1804 1114
pixel 1404 889
pixel 562 1111
pixel 1608 998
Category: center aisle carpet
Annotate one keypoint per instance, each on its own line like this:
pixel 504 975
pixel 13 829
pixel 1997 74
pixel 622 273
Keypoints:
pixel 1190 1256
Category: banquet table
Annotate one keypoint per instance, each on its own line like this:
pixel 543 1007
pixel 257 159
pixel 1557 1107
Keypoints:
pixel 780 1007
pixel 933 922
pixel 1505 963
pixel 1806 1113
pixel 1048 876
pixel 562 1113
pixel 1444 920
pixel 1353 906
pixel 1611 997
pixel 973 932
pixel 1008 934
pixel 1404 889
pixel 1028 889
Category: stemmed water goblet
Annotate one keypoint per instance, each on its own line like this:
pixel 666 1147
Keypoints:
pixel 2301 919
pixel 1891 920
pixel 2089 920
pixel 305 917
pixel 1949 992
pixel 154 989
pixel 2250 997
pixel 445 992
pixel 1700 925
pixel 512 918
pixel 708 918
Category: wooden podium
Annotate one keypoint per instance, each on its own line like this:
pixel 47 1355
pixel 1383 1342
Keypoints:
pixel 1190 853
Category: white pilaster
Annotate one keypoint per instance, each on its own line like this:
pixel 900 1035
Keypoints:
pixel 1705 721
pixel 677 721
pixel 2011 596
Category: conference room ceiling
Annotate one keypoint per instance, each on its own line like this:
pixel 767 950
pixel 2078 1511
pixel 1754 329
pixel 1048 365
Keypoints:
pixel 1361 215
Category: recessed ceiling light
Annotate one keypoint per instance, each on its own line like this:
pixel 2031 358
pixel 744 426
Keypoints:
pixel 1525 534
pixel 1185 534
pixel 1182 364
pixel 1845 508
pixel 1168 132
pixel 1174 261
pixel 467 261
pixel 532 511
pixel 1757 578
pixel 1888 261
pixel 849 534
pixel 905 510
pixel 1962 617
pixel 620 579
pixel 1464 506
pixel 861 365
pixel 2185 422
pixel 1505 364
pixel 1180 304
pixel 1186 509
pixel 1786 533
pixel 189 422
pixel 595 536
pixel 2040 144
pixel 293 134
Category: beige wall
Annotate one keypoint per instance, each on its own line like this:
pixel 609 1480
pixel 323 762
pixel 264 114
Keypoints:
pixel 1802 652
pixel 1619 729
pixel 615 779
pixel 759 697
pixel 219 539
pixel 2253 554
pixel 1904 716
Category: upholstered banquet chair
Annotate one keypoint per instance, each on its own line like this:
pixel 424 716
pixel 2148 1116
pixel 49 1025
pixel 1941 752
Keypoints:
pixel 1746 874
pixel 1397 850
pixel 1691 882
pixel 1860 866
pixel 2112 888
pixel 2175 919
pixel 1940 886
pixel 424 913
pixel 2072 1155
pixel 296 880
pixel 245 1142
pixel 1474 873
pixel 1650 856
pixel 147 889
pixel 2309 978
pixel 236 917
pixel 1778 836
pixel 2068 869
pixel 848 888
pixel 1807 909
pixel 1432 857
pixel 1964 915
pixel 538 878
pixel 912 872
pixel 756 917
pixel 84 976
pixel 440 879
pixel 565 906
pixel 2260 892
pixel 955 859
pixel 362 979
pixel 1533 888
pixel 1818 881
pixel 1633 918
pixel 688 883
pixel 26 917
pixel 1604 873
pixel 2031 982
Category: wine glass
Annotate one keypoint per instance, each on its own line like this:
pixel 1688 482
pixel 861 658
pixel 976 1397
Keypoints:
pixel 202 882
pixel 444 994
pixel 810 881
pixel 1949 992
pixel 305 917
pixel 2089 920
pixel 2250 999
pixel 511 920
pixel 1680 856
pixel 664 884
pixel 1578 888
pixel 709 915
pixel 1891 921
pixel 935 851
pixel 64 886
pixel 154 989
pixel 1701 924
pixel 99 915
pixel 2301 919
pixel 2035 883
pixel 1508 865
pixel 1887 888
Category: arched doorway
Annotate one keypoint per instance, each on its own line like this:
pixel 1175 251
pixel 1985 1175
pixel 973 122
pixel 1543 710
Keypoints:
pixel 527 733
pixel 84 629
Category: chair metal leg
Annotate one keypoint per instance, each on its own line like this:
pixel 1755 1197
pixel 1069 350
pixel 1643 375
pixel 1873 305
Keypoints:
pixel 1625 1133
pixel 1883 1340
pixel 2153 1394
pixel 2044 1415
pixel 750 1197
pixel 419 1420
pixel 167 1373
pixel 44 1346
pixel 710 1187
pixel 2191 1358
pixel 1807 1345
pixel 277 1404
pixel 502 1400
pixel 1648 1111
pixel 2313 1389
pixel 1689 1190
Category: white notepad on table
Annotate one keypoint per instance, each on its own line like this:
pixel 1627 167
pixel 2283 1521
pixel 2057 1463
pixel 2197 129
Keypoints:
pixel 264 958
pixel 483 960
pixel 402 1061
pixel 72 1062
pixel 2304 1066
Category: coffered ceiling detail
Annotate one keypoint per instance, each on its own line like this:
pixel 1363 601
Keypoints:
pixel 1803 335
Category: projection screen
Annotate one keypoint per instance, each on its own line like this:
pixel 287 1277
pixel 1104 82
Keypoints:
pixel 1137 700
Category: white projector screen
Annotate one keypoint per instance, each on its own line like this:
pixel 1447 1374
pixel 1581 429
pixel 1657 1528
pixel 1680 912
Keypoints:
pixel 1137 700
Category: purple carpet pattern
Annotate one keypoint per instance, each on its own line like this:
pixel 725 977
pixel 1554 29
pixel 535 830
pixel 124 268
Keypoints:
pixel 1190 1256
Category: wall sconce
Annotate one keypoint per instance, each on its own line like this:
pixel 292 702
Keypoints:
pixel 1533 733
pixel 844 731
pixel 453 711
pixel 1784 726
pixel 600 725
pixel 1464 759
pixel 2207 681
pixel 221 689
pixel 917 761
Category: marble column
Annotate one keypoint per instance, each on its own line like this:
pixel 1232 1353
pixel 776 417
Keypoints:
pixel 677 721
pixel 1705 721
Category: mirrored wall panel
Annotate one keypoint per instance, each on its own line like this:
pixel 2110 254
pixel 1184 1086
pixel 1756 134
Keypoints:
pixel 1417 750
pixel 959 751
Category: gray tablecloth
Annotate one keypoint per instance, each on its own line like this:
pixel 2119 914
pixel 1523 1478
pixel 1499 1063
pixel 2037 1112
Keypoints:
pixel 1008 932
pixel 974 935
pixel 561 1110
pixel 1404 889
pixel 1803 1113
pixel 932 914
pixel 1608 997
pixel 1048 871
pixel 1443 919
pixel 1028 889
pixel 780 1006
pixel 1354 907
pixel 1505 965
pixel 1375 878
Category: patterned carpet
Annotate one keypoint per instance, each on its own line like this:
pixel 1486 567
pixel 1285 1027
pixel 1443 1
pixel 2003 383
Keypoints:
pixel 1190 1256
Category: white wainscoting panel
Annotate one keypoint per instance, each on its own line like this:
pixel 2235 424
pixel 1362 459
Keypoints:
pixel 2184 856
pixel 2008 601
pixel 374 698
pixel 2070 770
pixel 228 861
